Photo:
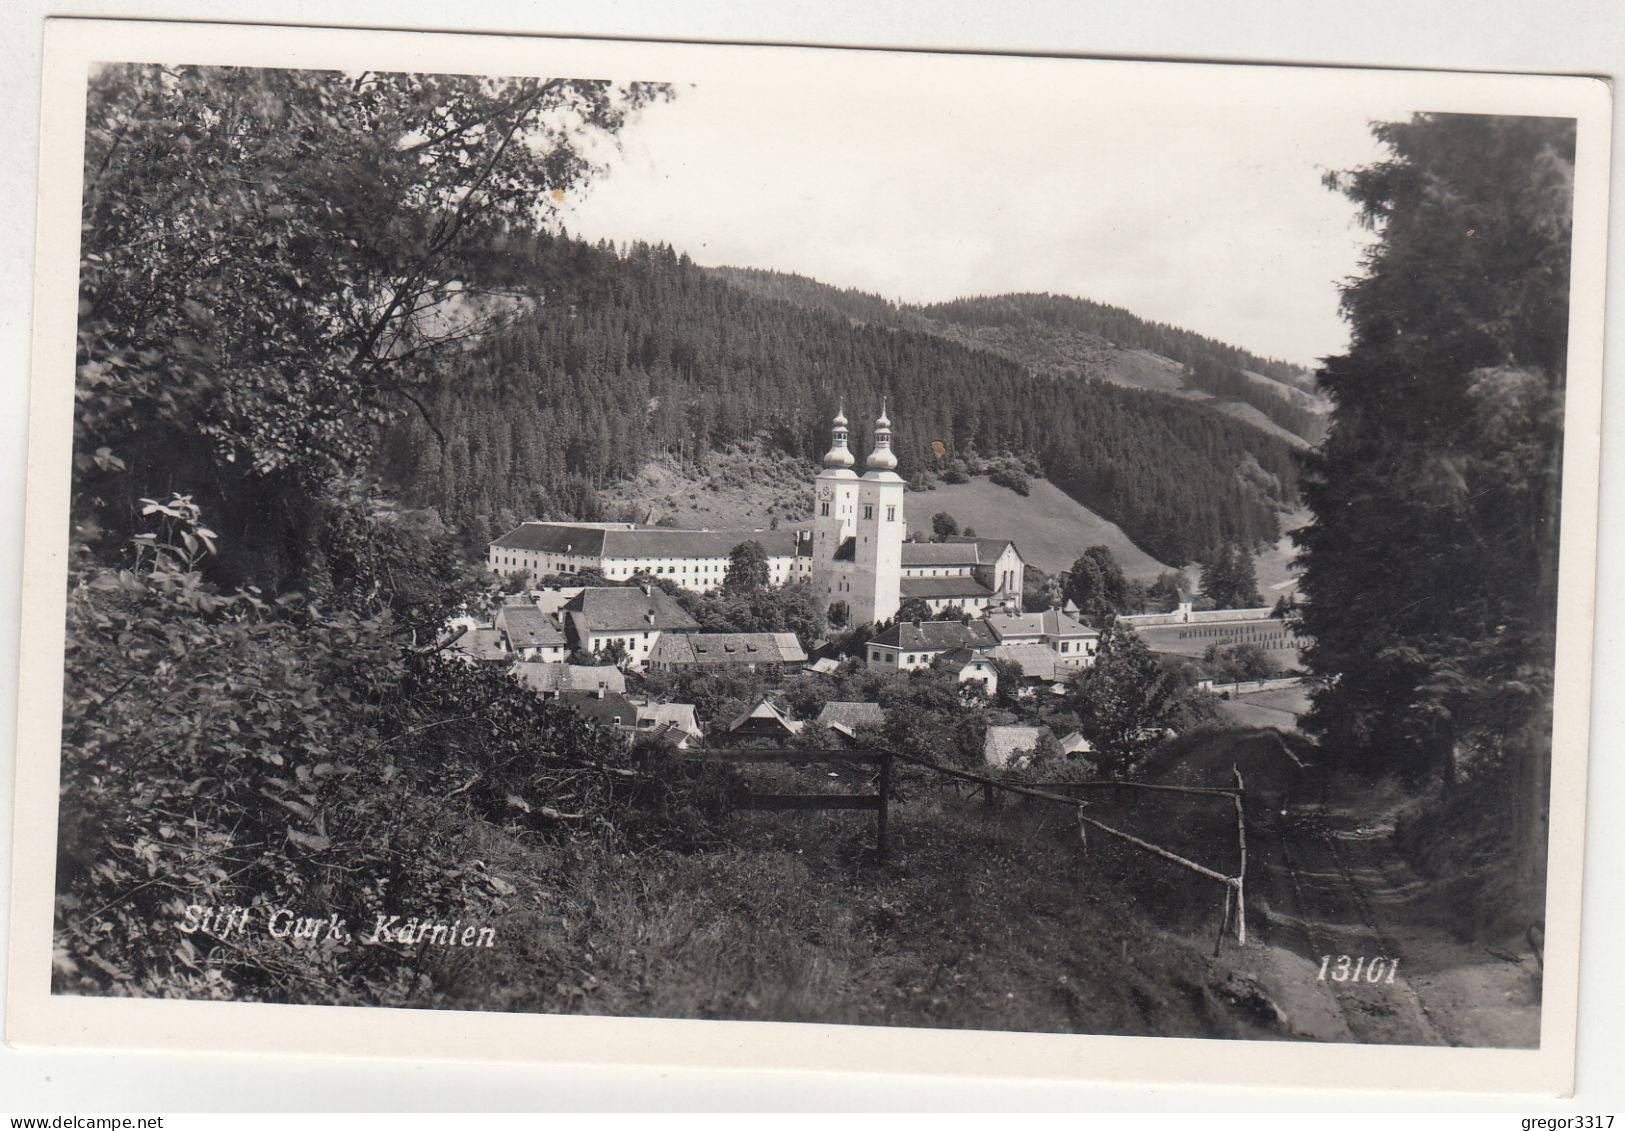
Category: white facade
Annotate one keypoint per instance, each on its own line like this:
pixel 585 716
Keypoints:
pixel 858 528
pixel 694 559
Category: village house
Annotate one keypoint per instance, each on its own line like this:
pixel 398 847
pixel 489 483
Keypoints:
pixel 1042 668
pixel 912 645
pixel 631 616
pixel 679 650
pixel 971 667
pixel 1072 641
pixel 662 719
pixel 603 708
pixel 844 717
pixel 481 645
pixel 529 633
pixel 765 724
pixel 549 680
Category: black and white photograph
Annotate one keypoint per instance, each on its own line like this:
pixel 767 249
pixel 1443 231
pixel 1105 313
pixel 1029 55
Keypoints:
pixel 1033 546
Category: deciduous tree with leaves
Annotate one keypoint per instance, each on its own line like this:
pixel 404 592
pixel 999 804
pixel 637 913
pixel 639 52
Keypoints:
pixel 269 259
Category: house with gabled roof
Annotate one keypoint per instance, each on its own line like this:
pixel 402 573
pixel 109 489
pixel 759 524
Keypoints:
pixel 479 645
pixel 549 680
pixel 971 666
pixel 605 708
pixel 766 723
pixel 844 717
pixel 664 717
pixel 529 633
pixel 1073 642
pixel 911 645
pixel 676 650
pixel 633 616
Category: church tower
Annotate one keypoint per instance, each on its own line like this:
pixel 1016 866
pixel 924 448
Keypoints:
pixel 878 546
pixel 835 510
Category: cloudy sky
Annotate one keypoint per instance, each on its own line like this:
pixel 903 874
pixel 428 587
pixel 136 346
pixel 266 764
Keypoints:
pixel 1205 211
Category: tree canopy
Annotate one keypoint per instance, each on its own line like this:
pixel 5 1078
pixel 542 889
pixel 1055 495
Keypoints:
pixel 1431 564
pixel 1229 578
pixel 271 257
pixel 748 570
pixel 1097 585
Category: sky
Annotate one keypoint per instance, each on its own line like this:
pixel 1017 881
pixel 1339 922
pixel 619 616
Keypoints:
pixel 1199 206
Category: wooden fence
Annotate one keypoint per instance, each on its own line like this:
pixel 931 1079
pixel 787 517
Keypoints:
pixel 1235 886
pixel 879 801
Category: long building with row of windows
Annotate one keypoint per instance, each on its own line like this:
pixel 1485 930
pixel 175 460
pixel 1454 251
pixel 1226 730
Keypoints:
pixel 855 551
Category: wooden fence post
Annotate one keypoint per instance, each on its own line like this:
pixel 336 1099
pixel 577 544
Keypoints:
pixel 1224 921
pixel 1241 870
pixel 885 802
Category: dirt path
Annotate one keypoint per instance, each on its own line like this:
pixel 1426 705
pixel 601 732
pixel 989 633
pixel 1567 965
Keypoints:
pixel 1331 884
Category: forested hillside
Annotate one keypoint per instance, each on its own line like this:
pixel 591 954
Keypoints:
pixel 1072 337
pixel 622 357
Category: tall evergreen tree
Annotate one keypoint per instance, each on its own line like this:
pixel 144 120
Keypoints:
pixel 1097 585
pixel 1430 567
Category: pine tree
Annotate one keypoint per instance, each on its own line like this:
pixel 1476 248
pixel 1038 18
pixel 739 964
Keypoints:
pixel 1430 567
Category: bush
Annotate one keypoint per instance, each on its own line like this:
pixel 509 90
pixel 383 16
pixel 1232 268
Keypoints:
pixel 1013 477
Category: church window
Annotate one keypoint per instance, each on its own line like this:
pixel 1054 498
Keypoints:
pixel 891 514
pixel 823 508
pixel 868 510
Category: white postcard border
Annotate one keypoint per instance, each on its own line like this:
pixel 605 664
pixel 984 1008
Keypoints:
pixel 36 1017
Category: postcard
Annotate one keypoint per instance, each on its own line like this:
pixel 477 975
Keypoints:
pixel 794 558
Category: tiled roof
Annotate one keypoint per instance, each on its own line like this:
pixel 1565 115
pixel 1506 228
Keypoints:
pixel 601 709
pixel 659 542
pixel 545 537
pixel 987 549
pixel 939 554
pixel 679 715
pixel 1003 743
pixel 954 550
pixel 940 588
pixel 1050 622
pixel 766 710
pixel 540 677
pixel 480 644
pixel 619 542
pixel 727 648
pixel 847 716
pixel 960 658
pixel 626 609
pixel 551 600
pixel 936 636
pixel 529 627
pixel 1036 661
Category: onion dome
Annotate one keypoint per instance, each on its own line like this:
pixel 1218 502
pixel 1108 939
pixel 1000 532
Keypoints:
pixel 839 455
pixel 882 458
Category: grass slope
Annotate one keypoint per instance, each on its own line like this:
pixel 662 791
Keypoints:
pixel 980 919
pixel 1049 526
pixel 751 487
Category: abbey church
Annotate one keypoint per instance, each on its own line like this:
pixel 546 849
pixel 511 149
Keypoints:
pixel 855 551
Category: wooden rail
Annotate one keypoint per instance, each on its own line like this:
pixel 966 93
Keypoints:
pixel 1234 885
pixel 879 802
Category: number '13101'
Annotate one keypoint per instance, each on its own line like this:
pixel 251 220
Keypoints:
pixel 1344 968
